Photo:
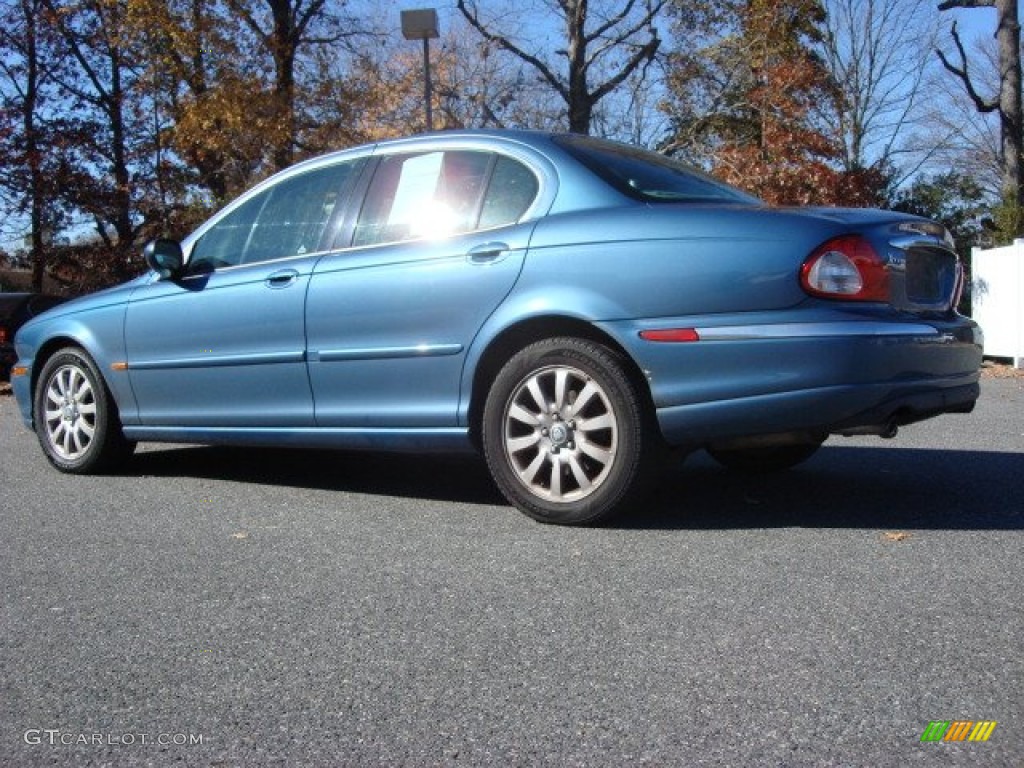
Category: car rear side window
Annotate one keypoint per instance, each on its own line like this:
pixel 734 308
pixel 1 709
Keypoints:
pixel 512 190
pixel 288 219
pixel 426 195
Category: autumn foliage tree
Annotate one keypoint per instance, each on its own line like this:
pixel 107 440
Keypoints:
pixel 751 104
pixel 103 140
pixel 126 119
pixel 768 141
pixel 208 97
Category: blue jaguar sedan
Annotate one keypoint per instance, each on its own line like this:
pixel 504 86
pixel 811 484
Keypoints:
pixel 568 306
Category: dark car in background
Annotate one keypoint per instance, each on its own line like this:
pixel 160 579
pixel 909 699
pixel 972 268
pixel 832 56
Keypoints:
pixel 16 309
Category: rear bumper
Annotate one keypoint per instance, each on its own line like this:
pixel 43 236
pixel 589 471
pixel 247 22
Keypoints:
pixel 874 409
pixel 780 372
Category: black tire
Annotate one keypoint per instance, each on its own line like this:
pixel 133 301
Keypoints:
pixel 75 417
pixel 764 459
pixel 585 453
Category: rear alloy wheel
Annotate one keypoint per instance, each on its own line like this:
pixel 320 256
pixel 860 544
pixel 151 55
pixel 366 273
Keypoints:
pixel 75 420
pixel 764 458
pixel 565 433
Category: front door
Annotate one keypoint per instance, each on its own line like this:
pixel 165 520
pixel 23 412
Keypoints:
pixel 224 346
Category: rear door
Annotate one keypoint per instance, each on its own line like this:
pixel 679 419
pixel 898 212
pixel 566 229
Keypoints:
pixel 436 246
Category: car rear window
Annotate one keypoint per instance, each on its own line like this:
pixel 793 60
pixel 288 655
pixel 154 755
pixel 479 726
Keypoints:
pixel 648 176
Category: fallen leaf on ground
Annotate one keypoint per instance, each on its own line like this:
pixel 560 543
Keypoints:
pixel 895 536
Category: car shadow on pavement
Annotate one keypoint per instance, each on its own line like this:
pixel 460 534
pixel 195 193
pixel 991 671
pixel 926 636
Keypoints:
pixel 841 487
pixel 437 477
pixel 845 487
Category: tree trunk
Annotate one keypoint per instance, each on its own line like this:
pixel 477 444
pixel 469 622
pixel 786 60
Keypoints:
pixel 33 156
pixel 580 105
pixel 122 197
pixel 1008 37
pixel 1007 106
pixel 283 43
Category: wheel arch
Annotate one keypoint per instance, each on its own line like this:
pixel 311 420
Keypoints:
pixel 46 350
pixel 52 346
pixel 521 334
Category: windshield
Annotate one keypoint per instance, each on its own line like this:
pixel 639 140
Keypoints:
pixel 649 176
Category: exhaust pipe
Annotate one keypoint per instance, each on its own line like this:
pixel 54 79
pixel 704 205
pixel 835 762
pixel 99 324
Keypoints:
pixel 886 431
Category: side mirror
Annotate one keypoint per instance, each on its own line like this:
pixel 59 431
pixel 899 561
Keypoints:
pixel 164 257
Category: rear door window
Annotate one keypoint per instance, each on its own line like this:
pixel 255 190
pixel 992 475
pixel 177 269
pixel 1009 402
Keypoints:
pixel 435 194
pixel 512 190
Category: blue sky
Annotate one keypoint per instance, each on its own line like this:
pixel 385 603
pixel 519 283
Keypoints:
pixel 975 24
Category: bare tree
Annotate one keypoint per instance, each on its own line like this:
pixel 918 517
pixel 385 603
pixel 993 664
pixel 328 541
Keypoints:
pixel 283 28
pixel 1007 104
pixel 22 64
pixel 100 89
pixel 879 52
pixel 478 86
pixel 604 43
pixel 965 138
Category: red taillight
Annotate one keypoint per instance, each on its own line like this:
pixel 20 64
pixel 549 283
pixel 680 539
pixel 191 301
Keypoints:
pixel 846 268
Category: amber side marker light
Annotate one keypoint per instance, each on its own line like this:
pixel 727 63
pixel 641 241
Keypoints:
pixel 19 370
pixel 119 366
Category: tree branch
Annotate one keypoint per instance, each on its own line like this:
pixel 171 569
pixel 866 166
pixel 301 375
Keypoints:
pixel 72 42
pixel 515 50
pixel 981 104
pixel 303 20
pixel 645 53
pixel 249 21
pixel 625 36
pixel 945 6
pixel 610 23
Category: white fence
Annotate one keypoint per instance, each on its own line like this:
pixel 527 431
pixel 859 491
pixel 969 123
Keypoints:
pixel 997 300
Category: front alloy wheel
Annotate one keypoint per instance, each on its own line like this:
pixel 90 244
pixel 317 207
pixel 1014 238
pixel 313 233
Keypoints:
pixel 75 422
pixel 565 433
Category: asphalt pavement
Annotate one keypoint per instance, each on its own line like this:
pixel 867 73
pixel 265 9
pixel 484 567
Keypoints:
pixel 214 607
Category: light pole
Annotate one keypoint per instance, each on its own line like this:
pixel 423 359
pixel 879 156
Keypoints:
pixel 422 25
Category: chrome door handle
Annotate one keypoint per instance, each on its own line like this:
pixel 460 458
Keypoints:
pixel 281 279
pixel 487 253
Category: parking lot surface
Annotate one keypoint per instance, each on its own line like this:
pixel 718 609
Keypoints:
pixel 214 607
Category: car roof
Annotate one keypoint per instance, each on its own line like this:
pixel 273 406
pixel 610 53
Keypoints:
pixel 537 140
